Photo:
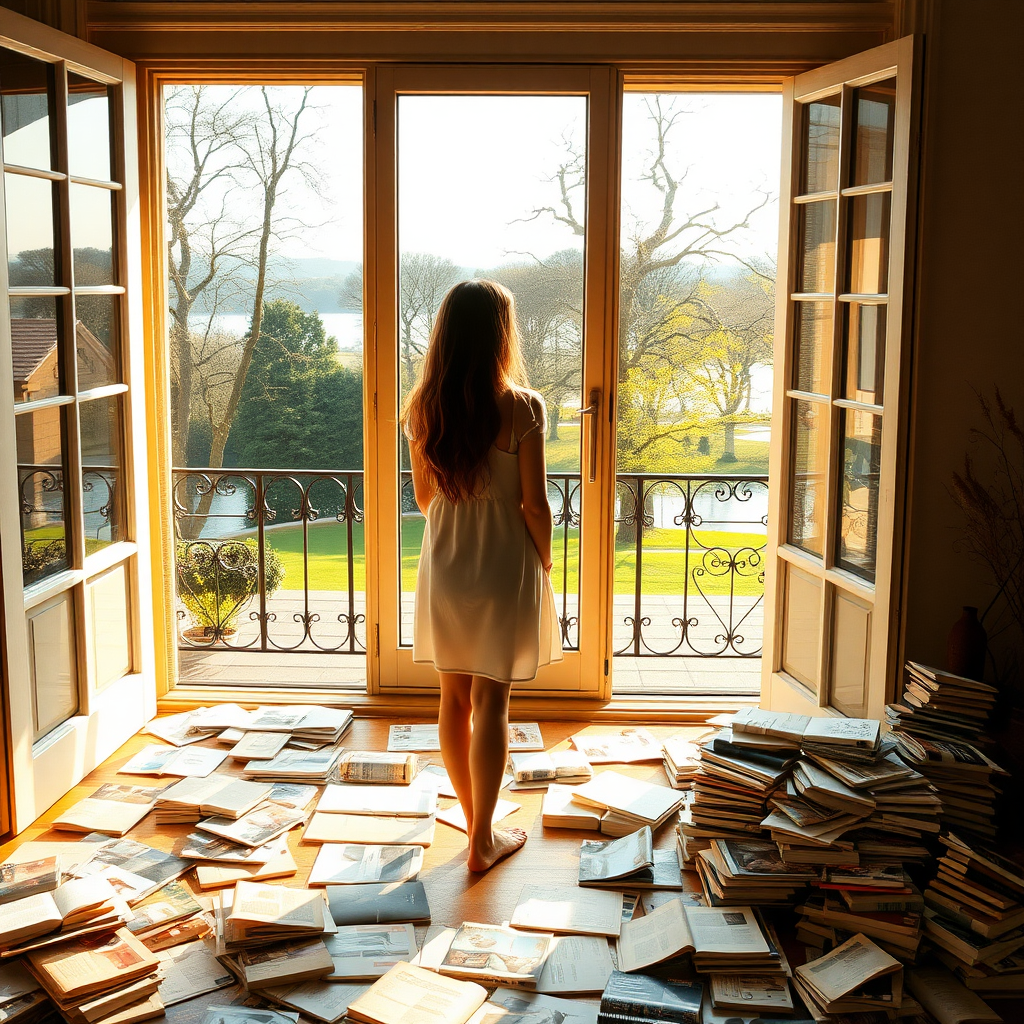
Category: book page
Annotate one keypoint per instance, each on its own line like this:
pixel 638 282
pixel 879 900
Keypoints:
pixel 725 930
pixel 947 999
pixel 369 950
pixel 406 801
pixel 847 967
pixel 36 914
pixel 615 859
pixel 189 970
pixel 411 995
pixel 277 905
pixel 569 909
pixel 655 937
pixel 79 893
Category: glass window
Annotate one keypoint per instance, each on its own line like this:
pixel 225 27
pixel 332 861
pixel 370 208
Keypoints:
pixel 858 507
pixel 92 234
pixel 88 128
pixel 873 133
pixel 864 338
pixel 96 340
pixel 30 239
pixel 868 269
pixel 26 103
pixel 102 485
pixel 809 468
pixel 35 328
pixel 817 240
pixel 813 346
pixel 41 474
pixel 821 145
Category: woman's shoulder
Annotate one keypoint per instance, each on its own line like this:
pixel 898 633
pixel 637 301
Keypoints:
pixel 531 398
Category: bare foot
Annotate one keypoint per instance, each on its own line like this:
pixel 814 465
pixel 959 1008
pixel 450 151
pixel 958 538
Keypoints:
pixel 504 841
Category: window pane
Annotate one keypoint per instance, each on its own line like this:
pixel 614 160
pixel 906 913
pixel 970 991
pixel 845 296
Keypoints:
pixel 812 346
pixel 858 527
pixel 817 234
pixel 474 174
pixel 875 110
pixel 30 203
pixel 41 474
pixel 809 468
pixel 821 145
pixel 868 271
pixel 864 340
pixel 101 427
pixel 34 333
pixel 26 99
pixel 88 128
pixel 52 659
pixel 92 234
pixel 96 340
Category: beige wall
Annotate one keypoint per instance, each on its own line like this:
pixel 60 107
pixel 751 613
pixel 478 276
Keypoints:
pixel 970 332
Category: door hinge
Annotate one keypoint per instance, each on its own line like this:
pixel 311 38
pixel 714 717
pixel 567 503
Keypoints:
pixel 376 633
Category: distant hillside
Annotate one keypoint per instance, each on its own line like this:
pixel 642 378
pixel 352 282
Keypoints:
pixel 315 284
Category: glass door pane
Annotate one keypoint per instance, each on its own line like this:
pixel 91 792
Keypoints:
pixel 495 187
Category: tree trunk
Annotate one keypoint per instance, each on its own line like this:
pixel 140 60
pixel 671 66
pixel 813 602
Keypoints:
pixel 729 454
pixel 553 417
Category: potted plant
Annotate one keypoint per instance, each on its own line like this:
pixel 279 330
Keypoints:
pixel 216 580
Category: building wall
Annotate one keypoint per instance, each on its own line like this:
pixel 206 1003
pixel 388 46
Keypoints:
pixel 970 337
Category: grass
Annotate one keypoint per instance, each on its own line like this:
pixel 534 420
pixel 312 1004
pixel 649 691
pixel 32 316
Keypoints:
pixel 664 563
pixel 751 456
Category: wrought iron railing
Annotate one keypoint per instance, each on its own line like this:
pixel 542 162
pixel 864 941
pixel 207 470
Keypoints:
pixel 689 561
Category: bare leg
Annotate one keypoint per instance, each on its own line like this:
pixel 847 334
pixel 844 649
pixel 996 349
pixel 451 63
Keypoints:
pixel 454 730
pixel 488 754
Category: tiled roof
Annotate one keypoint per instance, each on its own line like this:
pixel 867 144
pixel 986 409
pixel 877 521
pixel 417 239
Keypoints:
pixel 31 342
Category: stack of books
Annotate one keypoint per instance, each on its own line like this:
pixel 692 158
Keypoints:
pixel 939 727
pixel 738 872
pixel 302 726
pixel 967 781
pixel 627 804
pixel 194 798
pixel 940 705
pixel 169 917
pixel 94 981
pixel 273 935
pixel 732 788
pixel 559 811
pixel 857 977
pixel 826 922
pixel 682 761
pixel 309 766
pixel 974 914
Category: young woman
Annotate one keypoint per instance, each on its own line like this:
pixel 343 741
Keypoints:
pixel 485 611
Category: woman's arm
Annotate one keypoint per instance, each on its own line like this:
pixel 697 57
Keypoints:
pixel 534 480
pixel 422 484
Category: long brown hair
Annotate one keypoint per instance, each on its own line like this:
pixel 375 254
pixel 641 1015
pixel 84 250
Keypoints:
pixel 451 416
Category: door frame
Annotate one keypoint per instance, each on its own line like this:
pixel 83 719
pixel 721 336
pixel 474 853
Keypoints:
pixel 585 673
pixel 44 769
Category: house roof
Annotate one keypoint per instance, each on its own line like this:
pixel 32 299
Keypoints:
pixel 32 340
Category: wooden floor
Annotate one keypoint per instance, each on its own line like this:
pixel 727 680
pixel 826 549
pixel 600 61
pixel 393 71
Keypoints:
pixel 455 894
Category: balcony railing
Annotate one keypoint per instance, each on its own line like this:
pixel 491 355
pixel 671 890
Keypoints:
pixel 689 561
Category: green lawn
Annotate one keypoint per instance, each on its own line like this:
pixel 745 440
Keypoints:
pixel 751 456
pixel 664 563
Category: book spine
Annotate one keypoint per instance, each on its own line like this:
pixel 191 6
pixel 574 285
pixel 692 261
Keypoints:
pixel 638 1013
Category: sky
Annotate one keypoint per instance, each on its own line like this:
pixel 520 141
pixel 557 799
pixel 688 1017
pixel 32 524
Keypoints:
pixel 471 167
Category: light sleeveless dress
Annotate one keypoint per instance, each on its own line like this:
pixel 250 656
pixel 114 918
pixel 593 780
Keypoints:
pixel 484 605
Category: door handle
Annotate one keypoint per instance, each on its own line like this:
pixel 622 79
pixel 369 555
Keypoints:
pixel 592 410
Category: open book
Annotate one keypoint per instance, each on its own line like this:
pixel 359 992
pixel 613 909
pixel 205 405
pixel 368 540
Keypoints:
pixel 720 938
pixel 408 993
pixel 854 977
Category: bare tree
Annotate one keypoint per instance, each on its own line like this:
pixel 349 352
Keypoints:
pixel 204 134
pixel 423 281
pixel 659 274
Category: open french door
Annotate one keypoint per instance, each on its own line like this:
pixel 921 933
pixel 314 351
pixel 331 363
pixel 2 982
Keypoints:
pixel 528 151
pixel 842 347
pixel 77 632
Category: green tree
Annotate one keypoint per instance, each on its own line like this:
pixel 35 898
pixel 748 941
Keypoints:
pixel 299 408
